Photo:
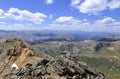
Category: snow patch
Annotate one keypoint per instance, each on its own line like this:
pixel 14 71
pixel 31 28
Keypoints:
pixel 14 66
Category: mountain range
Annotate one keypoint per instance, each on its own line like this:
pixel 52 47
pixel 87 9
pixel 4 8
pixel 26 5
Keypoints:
pixel 98 50
pixel 35 37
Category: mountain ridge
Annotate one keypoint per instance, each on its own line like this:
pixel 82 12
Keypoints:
pixel 15 51
pixel 28 63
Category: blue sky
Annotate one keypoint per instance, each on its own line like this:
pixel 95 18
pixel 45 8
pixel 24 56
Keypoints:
pixel 82 15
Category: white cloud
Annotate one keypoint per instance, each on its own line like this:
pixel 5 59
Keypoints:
pixel 107 24
pixel 106 20
pixel 22 15
pixel 1 12
pixel 49 1
pixel 75 3
pixel 92 6
pixel 85 20
pixel 66 21
pixel 114 4
pixel 2 23
pixel 95 6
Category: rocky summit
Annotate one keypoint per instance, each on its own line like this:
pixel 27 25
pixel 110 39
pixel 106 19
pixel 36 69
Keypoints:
pixel 16 53
pixel 19 61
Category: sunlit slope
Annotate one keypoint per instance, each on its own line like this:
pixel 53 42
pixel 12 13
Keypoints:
pixel 101 55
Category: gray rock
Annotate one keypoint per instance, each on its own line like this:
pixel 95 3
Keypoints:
pixel 62 67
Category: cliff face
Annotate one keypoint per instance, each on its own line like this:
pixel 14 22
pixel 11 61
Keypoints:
pixel 14 51
pixel 19 61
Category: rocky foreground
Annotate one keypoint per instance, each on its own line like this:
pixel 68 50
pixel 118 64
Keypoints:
pixel 22 62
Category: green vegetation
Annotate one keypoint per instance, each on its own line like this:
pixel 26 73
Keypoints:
pixel 109 67
pixel 104 56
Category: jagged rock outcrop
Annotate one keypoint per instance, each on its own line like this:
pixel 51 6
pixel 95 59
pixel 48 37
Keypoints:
pixel 32 65
pixel 58 68
pixel 16 52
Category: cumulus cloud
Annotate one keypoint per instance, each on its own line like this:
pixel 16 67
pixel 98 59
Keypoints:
pixel 107 24
pixel 114 4
pixel 75 3
pixel 64 19
pixel 22 15
pixel 92 6
pixel 1 12
pixel 67 21
pixel 49 1
pixel 106 20
pixel 95 6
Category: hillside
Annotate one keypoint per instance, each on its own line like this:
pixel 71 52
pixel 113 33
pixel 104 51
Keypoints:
pixel 18 60
pixel 102 55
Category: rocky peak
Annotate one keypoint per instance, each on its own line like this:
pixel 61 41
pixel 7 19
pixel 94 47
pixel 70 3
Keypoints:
pixel 16 52
pixel 56 68
pixel 29 64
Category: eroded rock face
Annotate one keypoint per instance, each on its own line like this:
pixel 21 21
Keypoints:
pixel 16 52
pixel 58 68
